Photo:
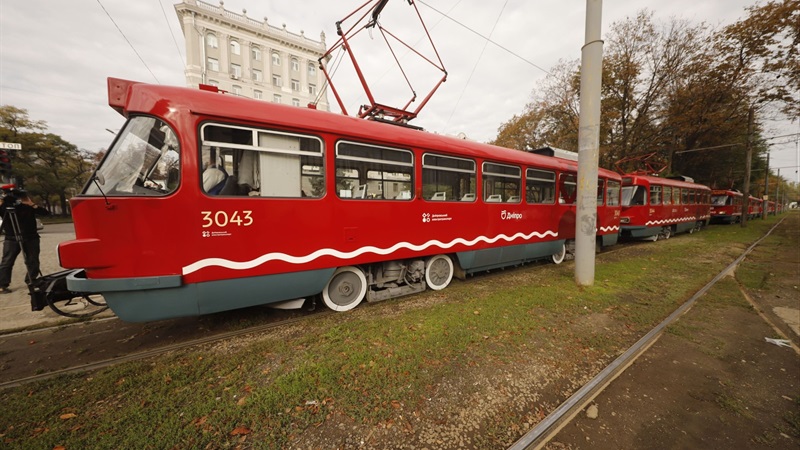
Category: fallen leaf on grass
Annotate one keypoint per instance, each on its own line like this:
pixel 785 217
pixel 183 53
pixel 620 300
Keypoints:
pixel 67 416
pixel 238 431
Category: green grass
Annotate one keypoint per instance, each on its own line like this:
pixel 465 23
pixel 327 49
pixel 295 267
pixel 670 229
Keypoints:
pixel 364 366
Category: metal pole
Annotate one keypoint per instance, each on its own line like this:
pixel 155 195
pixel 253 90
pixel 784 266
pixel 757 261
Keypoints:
pixel 765 208
pixel 588 145
pixel 747 164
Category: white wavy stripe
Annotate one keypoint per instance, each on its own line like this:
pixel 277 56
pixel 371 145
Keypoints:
pixel 607 229
pixel 221 262
pixel 666 221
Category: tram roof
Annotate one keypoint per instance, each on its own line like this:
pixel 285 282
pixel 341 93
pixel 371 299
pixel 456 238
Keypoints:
pixel 130 97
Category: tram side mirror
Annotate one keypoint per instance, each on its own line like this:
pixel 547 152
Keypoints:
pixel 99 178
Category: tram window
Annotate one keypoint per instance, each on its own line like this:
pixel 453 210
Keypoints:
pixel 676 196
pixel 262 163
pixel 144 161
pixel 655 195
pixel 612 193
pixel 446 178
pixel 667 195
pixel 540 186
pixel 600 192
pixel 366 171
pixel 633 195
pixel 501 183
pixel 568 188
pixel 692 197
pixel 684 196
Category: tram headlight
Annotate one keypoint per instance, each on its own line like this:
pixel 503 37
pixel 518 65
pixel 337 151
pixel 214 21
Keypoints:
pixel 625 220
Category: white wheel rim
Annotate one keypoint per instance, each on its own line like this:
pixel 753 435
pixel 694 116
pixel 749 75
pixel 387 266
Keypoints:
pixel 558 257
pixel 438 272
pixel 346 289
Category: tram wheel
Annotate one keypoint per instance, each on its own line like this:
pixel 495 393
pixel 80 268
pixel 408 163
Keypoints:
pixel 559 256
pixel 438 272
pixel 666 232
pixel 346 289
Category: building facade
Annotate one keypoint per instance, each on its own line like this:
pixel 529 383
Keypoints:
pixel 251 58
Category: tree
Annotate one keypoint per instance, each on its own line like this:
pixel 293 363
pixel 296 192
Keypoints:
pixel 50 167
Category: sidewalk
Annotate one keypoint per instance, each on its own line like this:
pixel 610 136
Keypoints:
pixel 15 307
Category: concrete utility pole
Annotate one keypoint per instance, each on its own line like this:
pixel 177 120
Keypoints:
pixel 765 208
pixel 588 145
pixel 747 163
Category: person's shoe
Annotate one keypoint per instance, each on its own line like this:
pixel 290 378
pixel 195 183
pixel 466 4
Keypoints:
pixel 5 290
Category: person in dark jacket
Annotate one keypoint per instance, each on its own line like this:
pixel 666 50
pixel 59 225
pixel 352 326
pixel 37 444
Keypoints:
pixel 18 203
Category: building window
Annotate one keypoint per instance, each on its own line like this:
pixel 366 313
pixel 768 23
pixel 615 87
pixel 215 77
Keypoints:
pixel 312 70
pixel 295 102
pixel 276 81
pixel 257 75
pixel 214 83
pixel 276 59
pixel 312 89
pixel 295 65
pixel 237 90
pixel 296 85
pixel 256 53
pixel 235 48
pixel 236 71
pixel 212 64
pixel 258 95
pixel 211 40
pixel 276 98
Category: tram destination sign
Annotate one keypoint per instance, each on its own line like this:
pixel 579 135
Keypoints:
pixel 10 146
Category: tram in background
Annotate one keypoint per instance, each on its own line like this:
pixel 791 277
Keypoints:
pixel 655 207
pixel 726 206
pixel 208 202
pixel 754 207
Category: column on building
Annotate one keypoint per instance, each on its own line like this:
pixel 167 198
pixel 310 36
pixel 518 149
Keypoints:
pixel 194 40
pixel 224 48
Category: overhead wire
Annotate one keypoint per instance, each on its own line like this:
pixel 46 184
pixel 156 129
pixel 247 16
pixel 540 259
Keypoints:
pixel 486 38
pixel 128 41
pixel 177 47
pixel 475 66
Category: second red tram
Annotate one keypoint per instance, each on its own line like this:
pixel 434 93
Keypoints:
pixel 654 207
pixel 726 206
pixel 208 202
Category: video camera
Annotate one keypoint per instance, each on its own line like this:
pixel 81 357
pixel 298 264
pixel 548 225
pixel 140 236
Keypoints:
pixel 11 194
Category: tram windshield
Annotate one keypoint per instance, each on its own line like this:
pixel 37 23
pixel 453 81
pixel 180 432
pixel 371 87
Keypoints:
pixel 719 200
pixel 633 195
pixel 144 161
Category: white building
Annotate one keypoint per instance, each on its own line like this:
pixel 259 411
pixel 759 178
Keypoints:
pixel 251 58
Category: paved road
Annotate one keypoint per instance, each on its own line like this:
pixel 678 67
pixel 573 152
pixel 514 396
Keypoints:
pixel 15 308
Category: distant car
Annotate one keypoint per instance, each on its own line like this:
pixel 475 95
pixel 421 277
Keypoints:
pixel 39 225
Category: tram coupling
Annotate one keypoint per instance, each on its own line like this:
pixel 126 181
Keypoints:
pixel 51 290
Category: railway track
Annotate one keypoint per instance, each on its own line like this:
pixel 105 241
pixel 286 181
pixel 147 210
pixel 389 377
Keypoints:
pixel 545 430
pixel 140 355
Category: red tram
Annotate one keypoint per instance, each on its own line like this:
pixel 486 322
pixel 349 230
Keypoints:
pixel 726 206
pixel 208 202
pixel 754 207
pixel 654 207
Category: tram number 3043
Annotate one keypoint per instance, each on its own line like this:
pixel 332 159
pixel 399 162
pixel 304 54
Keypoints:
pixel 223 219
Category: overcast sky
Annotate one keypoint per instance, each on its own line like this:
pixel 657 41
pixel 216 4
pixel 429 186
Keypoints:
pixel 55 56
